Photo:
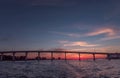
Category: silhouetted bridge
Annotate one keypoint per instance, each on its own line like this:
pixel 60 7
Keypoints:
pixel 13 54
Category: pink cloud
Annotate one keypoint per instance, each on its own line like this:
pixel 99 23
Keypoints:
pixel 77 43
pixel 107 31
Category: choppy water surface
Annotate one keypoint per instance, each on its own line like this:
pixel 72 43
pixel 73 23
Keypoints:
pixel 60 69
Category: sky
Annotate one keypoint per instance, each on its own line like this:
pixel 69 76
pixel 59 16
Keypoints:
pixel 78 25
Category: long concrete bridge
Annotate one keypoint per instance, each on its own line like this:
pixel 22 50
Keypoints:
pixel 13 54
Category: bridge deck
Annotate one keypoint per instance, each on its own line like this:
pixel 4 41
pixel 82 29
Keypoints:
pixel 2 53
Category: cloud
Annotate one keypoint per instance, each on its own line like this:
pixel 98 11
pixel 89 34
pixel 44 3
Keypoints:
pixel 63 41
pixel 109 38
pixel 110 33
pixel 77 43
pixel 109 49
pixel 107 31
pixel 67 34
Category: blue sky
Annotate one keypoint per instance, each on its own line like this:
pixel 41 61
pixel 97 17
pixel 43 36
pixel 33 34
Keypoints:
pixel 62 24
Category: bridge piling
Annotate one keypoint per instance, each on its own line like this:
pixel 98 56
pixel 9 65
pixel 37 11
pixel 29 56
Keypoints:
pixel 94 57
pixel 79 57
pixel 51 56
pixel 13 57
pixel 39 56
pixel 26 54
pixel 65 56
pixel 107 57
pixel 1 58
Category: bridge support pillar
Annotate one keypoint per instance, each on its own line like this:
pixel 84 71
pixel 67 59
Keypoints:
pixel 52 56
pixel 79 57
pixel 1 58
pixel 108 56
pixel 38 56
pixel 94 57
pixel 65 56
pixel 13 58
pixel 26 54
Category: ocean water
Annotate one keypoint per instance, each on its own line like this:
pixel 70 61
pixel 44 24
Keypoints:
pixel 60 69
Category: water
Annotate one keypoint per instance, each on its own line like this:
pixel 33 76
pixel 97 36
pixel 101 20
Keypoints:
pixel 60 69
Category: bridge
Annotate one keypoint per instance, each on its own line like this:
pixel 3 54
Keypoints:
pixel 13 54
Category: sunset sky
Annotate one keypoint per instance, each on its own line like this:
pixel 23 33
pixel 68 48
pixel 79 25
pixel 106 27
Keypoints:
pixel 80 25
